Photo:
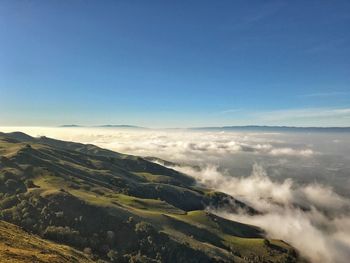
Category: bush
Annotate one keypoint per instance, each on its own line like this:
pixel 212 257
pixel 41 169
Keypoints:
pixel 63 234
pixel 144 228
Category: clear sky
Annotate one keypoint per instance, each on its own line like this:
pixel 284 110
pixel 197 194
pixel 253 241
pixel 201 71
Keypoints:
pixel 175 63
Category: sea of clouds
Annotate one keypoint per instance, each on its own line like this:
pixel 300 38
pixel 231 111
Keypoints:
pixel 300 182
pixel 312 217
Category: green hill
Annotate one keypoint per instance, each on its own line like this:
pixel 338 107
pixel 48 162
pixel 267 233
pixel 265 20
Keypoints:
pixel 121 208
pixel 18 246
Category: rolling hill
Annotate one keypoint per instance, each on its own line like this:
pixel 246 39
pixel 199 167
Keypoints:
pixel 119 208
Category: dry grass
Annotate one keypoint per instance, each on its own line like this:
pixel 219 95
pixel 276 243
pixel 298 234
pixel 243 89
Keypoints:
pixel 19 246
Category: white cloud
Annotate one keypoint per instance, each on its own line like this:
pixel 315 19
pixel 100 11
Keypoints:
pixel 173 145
pixel 327 94
pixel 230 111
pixel 290 151
pixel 303 114
pixel 313 218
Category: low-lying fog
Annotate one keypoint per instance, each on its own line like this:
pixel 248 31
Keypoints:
pixel 299 181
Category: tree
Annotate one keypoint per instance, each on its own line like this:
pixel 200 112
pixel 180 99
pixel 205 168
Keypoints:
pixel 113 255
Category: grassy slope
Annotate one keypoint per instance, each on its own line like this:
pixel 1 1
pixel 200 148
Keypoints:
pixel 127 186
pixel 17 245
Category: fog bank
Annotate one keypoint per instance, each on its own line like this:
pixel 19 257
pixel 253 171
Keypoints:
pixel 312 218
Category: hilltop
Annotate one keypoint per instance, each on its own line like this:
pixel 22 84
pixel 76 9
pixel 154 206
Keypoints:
pixel 122 208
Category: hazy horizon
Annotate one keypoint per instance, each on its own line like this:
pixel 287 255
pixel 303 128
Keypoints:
pixel 133 126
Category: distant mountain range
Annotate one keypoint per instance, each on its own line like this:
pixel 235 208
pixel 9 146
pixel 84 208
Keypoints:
pixel 275 128
pixel 70 126
pixel 247 128
pixel 121 126
pixel 104 126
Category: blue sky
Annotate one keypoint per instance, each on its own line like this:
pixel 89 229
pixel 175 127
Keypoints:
pixel 175 63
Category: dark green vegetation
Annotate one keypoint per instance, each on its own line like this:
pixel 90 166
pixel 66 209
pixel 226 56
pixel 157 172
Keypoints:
pixel 121 208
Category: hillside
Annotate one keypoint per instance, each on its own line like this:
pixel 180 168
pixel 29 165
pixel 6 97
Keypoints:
pixel 17 245
pixel 121 208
